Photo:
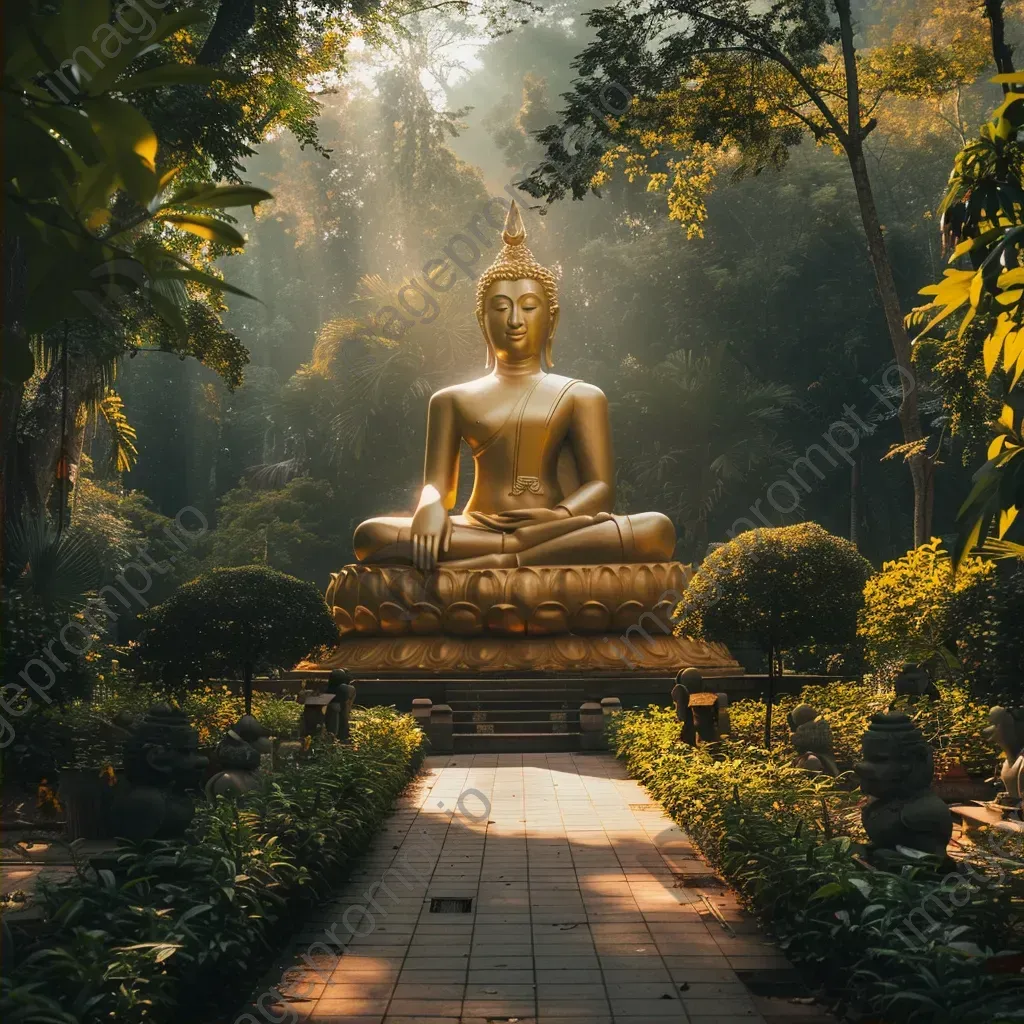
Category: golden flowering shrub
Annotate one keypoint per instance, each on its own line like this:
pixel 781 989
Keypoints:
pixel 917 609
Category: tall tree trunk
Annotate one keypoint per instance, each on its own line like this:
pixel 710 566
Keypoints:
pixel 12 384
pixel 855 501
pixel 909 414
pixel 1002 52
pixel 247 686
pixel 41 437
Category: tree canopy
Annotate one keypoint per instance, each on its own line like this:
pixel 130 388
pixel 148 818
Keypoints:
pixel 236 621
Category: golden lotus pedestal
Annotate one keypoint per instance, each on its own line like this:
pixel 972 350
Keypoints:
pixel 600 621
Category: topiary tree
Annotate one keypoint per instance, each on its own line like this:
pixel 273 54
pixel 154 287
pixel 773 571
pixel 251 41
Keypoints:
pixel 247 619
pixel 779 587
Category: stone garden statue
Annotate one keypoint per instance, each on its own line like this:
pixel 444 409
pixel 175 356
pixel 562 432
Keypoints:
pixel 238 755
pixel 1007 729
pixel 684 715
pixel 896 771
pixel 915 680
pixel 162 767
pixel 812 741
pixel 330 710
pixel 339 711
pixel 696 709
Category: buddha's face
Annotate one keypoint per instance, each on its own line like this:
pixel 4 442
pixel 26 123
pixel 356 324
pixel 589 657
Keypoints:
pixel 517 320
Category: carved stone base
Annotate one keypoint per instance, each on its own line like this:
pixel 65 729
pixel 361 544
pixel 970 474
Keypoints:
pixel 381 600
pixel 566 653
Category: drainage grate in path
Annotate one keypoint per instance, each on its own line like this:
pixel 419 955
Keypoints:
pixel 699 882
pixel 451 905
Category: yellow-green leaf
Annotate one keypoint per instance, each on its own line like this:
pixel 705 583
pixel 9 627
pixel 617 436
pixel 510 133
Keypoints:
pixel 210 228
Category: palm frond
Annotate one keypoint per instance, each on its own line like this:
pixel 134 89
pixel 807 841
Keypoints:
pixel 271 476
pixel 57 568
pixel 124 452
pixel 995 547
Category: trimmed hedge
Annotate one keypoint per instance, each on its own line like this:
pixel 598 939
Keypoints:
pixel 181 925
pixel 918 947
pixel 953 724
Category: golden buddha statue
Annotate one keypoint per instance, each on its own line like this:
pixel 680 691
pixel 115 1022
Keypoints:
pixel 536 573
pixel 544 479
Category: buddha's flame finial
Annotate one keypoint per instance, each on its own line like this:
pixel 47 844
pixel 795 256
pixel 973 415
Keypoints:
pixel 515 231
pixel 515 262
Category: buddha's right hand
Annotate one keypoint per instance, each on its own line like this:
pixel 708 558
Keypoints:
pixel 431 532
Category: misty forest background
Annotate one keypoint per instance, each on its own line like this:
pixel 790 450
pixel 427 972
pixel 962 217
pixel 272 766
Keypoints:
pixel 725 353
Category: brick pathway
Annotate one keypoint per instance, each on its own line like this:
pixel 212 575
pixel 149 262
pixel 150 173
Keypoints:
pixel 588 904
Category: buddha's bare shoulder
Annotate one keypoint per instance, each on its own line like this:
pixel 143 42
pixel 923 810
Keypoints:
pixel 584 393
pixel 452 394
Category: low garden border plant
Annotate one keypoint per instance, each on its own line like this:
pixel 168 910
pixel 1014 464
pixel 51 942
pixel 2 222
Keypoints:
pixel 173 929
pixel 926 945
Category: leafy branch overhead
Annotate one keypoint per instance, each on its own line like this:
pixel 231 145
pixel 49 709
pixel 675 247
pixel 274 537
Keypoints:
pixel 83 182
pixel 675 92
pixel 983 220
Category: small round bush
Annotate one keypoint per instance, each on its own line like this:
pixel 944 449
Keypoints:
pixel 780 587
pixel 228 621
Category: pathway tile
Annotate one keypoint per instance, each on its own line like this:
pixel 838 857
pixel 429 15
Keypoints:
pixel 577 913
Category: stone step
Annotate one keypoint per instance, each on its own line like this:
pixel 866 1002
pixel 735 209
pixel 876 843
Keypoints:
pixel 514 705
pixel 522 693
pixel 535 725
pixel 515 743
pixel 526 714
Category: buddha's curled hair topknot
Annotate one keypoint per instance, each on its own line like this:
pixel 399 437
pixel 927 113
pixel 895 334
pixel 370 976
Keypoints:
pixel 516 263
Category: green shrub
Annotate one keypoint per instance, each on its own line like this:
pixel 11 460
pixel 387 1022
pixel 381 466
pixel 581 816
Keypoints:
pixel 781 587
pixel 917 609
pixel 953 724
pixel 231 622
pixel 183 924
pixel 783 838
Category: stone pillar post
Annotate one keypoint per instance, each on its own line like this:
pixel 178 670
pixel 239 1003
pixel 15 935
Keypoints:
pixel 421 712
pixel 723 714
pixel 441 729
pixel 592 726
pixel 609 705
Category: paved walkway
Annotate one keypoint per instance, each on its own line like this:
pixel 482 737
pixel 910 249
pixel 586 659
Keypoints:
pixel 588 904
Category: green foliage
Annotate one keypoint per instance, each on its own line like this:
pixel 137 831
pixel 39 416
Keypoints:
pixel 878 942
pixel 295 529
pixel 228 621
pixel 721 430
pixel 918 609
pixel 779 587
pixel 116 522
pixel 178 926
pixel 213 710
pixel 982 218
pixel 56 568
pixel 75 153
pixel 953 725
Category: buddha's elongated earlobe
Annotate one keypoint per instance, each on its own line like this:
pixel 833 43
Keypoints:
pixel 490 355
pixel 549 343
